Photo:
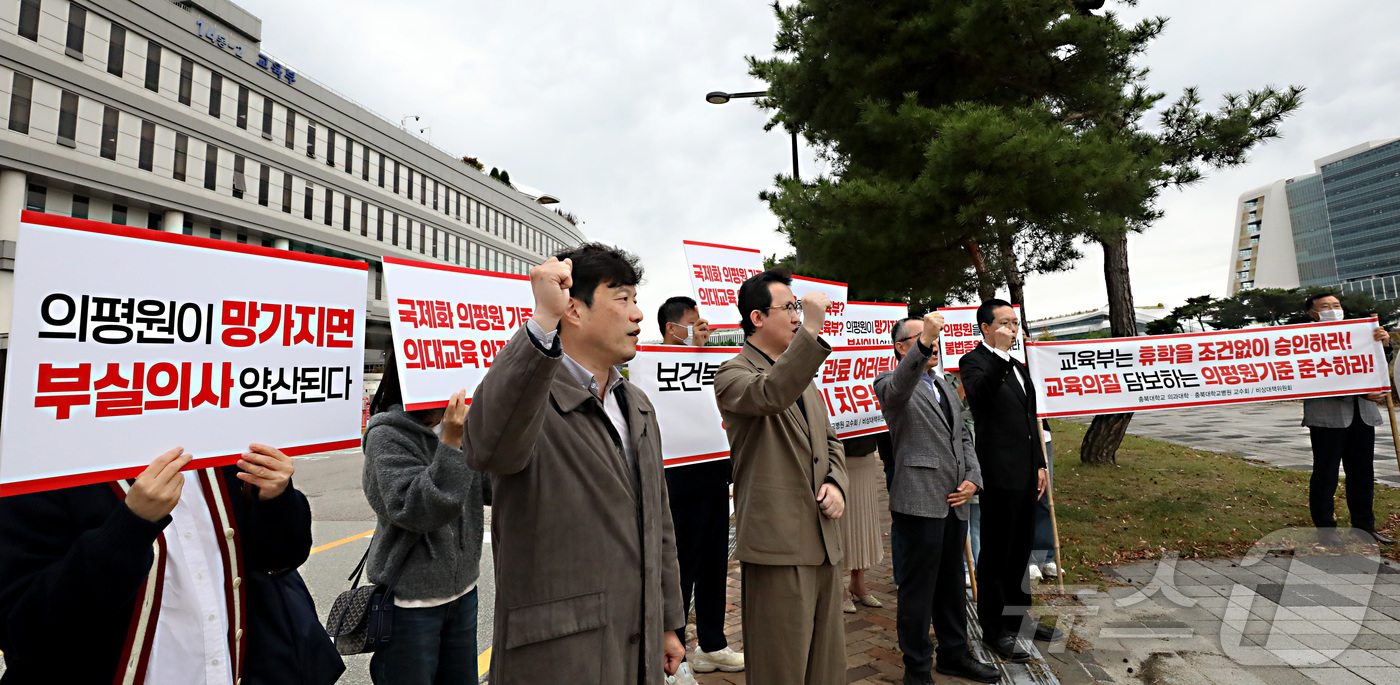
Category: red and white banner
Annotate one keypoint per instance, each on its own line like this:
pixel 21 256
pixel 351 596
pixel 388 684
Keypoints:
pixel 869 323
pixel 449 323
pixel 127 342
pixel 680 382
pixel 1105 376
pixel 834 328
pixel 961 335
pixel 846 381
pixel 716 272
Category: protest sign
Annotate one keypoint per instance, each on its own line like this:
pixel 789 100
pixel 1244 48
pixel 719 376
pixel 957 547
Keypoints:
pixel 961 335
pixel 680 382
pixel 716 272
pixel 869 323
pixel 846 381
pixel 1104 376
pixel 834 328
pixel 127 342
pixel 449 323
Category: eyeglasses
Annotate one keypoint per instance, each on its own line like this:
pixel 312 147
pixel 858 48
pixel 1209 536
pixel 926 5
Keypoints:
pixel 908 337
pixel 793 307
pixel 1010 324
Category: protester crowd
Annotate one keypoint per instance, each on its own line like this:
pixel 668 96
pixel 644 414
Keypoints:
pixel 188 575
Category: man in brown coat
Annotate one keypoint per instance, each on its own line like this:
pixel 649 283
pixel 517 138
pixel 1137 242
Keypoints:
pixel 587 586
pixel 789 485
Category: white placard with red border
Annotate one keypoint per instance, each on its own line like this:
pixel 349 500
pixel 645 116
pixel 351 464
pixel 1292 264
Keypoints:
pixel 127 342
pixel 869 323
pixel 679 381
pixel 449 323
pixel 961 335
pixel 846 381
pixel 834 327
pixel 1112 375
pixel 716 272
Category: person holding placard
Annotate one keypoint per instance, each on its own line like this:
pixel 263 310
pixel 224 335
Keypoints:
pixel 936 474
pixel 789 485
pixel 427 542
pixel 1009 449
pixel 168 578
pixel 699 497
pixel 587 585
pixel 1342 431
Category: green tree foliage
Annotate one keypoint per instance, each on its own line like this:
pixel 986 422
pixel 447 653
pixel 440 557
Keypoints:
pixel 1195 309
pixel 960 131
pixel 1164 326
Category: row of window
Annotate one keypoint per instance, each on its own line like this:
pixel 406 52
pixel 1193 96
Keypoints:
pixel 429 191
pixel 352 214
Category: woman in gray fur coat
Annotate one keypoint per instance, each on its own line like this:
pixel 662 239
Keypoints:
pixel 429 535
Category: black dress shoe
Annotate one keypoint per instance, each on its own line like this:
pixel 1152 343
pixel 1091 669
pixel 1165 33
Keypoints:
pixel 965 666
pixel 1048 634
pixel 1006 648
pixel 1381 539
pixel 912 678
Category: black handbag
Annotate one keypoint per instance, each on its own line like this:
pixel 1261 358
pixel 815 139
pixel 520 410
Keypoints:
pixel 362 618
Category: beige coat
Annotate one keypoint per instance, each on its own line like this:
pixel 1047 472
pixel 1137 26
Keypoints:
pixel 781 457
pixel 586 574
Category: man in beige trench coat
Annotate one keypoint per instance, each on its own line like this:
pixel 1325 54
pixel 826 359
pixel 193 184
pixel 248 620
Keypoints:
pixel 789 487
pixel 587 585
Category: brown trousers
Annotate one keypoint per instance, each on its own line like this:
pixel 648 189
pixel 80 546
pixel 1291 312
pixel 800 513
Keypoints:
pixel 794 631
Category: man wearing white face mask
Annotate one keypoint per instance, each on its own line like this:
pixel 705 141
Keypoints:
pixel 1343 433
pixel 699 496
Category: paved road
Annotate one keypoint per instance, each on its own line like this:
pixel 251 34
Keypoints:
pixel 1265 431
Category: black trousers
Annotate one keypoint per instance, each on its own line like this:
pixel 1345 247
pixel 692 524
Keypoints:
pixel 1354 449
pixel 701 521
pixel 1003 596
pixel 930 580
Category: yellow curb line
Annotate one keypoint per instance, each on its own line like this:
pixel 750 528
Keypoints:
pixel 338 543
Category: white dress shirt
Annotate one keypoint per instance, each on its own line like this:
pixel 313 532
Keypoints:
pixel 191 640
pixel 585 379
pixel 1015 371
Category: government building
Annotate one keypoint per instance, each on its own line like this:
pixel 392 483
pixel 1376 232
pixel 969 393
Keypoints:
pixel 1338 227
pixel 172 117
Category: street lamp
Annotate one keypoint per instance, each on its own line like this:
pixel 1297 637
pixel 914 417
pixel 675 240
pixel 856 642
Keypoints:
pixel 719 97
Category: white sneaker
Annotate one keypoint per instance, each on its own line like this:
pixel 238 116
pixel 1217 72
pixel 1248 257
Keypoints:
pixel 1036 576
pixel 726 660
pixel 1050 570
pixel 682 676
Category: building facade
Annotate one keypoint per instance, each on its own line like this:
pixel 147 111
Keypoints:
pixel 169 115
pixel 1338 227
pixel 1092 323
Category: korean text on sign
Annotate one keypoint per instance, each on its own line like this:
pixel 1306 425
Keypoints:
pixel 147 340
pixel 1250 365
pixel 679 381
pixel 716 272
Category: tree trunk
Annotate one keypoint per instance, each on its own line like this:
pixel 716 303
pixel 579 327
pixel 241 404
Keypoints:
pixel 1105 434
pixel 986 285
pixel 1015 281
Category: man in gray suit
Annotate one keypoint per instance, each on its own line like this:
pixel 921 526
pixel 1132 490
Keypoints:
pixel 935 472
pixel 1343 432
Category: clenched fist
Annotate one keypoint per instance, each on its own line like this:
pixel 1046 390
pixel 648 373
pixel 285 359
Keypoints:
pixel 550 282
pixel 814 306
pixel 933 326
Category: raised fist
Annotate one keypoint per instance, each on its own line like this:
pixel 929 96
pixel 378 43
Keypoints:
pixel 550 282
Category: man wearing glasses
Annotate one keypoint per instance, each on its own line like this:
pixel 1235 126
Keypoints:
pixel 1009 450
pixel 699 496
pixel 789 487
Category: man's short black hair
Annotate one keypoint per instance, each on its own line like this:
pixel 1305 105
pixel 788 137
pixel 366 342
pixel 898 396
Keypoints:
pixel 598 264
pixel 987 312
pixel 754 294
pixel 672 310
pixel 1308 303
pixel 897 332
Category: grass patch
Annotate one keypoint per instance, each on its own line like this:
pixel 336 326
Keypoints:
pixel 1163 497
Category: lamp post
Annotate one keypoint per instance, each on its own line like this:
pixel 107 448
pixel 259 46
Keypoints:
pixel 719 97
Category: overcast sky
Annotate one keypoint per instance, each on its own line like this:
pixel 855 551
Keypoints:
pixel 601 104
